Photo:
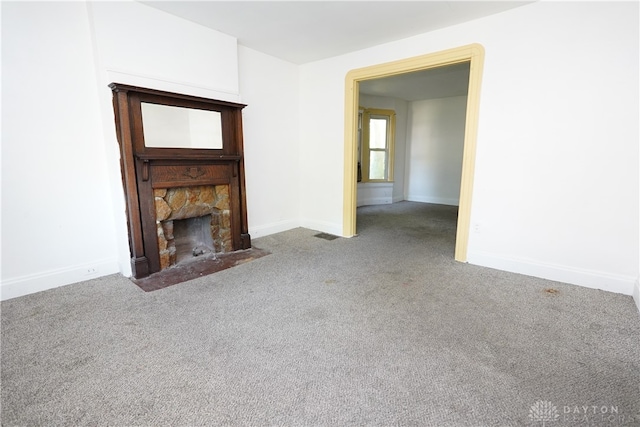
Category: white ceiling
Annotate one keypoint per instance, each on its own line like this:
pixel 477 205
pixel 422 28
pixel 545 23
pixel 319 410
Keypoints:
pixel 441 82
pixel 305 31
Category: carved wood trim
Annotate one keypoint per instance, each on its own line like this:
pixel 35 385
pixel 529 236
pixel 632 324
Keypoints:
pixel 181 175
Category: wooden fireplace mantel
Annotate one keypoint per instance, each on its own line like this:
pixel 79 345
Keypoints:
pixel 145 169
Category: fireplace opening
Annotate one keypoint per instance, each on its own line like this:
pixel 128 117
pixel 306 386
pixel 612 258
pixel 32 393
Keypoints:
pixel 192 237
pixel 192 222
pixel 186 239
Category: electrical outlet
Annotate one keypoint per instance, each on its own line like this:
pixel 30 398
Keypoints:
pixel 476 228
pixel 90 270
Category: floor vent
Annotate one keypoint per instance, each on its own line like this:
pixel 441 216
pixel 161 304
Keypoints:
pixel 326 236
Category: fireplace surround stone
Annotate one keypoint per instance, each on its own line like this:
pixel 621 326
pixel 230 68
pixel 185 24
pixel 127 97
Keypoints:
pixel 180 203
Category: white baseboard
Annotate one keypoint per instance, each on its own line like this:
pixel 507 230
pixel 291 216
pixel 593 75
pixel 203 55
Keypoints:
pixel 374 193
pixel 434 200
pixel 273 228
pixel 32 283
pixel 582 277
pixel 636 293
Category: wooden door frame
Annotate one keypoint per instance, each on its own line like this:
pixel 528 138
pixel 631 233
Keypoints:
pixel 474 54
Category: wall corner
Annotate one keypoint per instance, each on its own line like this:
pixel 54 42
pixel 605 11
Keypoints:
pixel 636 293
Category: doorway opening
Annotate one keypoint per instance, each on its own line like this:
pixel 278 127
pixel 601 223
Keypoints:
pixel 474 55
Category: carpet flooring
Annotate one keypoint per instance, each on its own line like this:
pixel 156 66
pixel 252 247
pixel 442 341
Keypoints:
pixel 383 329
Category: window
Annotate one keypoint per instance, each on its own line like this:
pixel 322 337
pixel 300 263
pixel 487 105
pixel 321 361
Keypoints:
pixel 376 131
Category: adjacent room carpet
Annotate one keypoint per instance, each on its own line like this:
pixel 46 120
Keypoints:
pixel 383 329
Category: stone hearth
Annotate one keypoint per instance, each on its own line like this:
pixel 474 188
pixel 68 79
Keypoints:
pixel 181 203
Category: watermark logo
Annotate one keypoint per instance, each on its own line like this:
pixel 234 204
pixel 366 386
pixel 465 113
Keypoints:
pixel 543 412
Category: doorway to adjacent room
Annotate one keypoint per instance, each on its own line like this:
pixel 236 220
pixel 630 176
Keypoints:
pixel 474 55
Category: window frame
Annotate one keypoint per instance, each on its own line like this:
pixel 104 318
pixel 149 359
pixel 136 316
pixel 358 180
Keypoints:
pixel 364 154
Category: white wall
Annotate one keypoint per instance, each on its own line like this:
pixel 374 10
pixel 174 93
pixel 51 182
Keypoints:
pixel 138 45
pixel 57 215
pixel 62 198
pixel 556 182
pixel 321 147
pixel 434 159
pixel 402 147
pixel 269 87
pixel 375 193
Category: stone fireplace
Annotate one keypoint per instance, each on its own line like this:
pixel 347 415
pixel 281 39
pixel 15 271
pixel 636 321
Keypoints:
pixel 192 221
pixel 183 176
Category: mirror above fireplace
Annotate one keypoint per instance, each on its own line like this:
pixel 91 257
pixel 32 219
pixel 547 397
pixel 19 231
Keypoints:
pixel 167 126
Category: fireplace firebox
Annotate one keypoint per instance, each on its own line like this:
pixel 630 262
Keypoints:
pixel 183 176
